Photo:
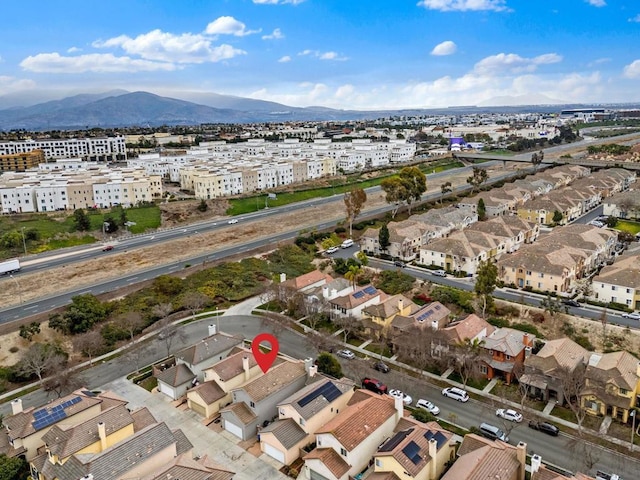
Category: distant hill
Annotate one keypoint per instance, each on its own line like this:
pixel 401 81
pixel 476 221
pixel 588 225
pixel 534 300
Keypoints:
pixel 118 108
pixel 517 100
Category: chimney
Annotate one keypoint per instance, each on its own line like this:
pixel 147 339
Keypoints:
pixel 313 369
pixel 16 406
pixel 525 339
pixel 307 363
pixel 434 325
pixel 521 454
pixel 433 452
pixel 283 277
pixel 400 306
pixel 212 330
pixel 536 461
pixel 399 407
pixel 325 291
pixel 102 433
pixel 245 366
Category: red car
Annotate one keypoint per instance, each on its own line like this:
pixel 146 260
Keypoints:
pixel 107 248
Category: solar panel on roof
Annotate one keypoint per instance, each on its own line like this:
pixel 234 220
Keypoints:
pixel 395 440
pixel 358 294
pixel 412 451
pixel 40 413
pixel 437 307
pixel 425 315
pixel 329 391
pixel 429 435
pixel 440 439
pixel 370 290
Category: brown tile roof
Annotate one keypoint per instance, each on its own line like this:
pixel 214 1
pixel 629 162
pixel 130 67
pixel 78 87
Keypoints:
pixel 467 328
pixel 625 272
pixel 241 411
pixel 331 459
pixel 383 476
pixel 390 306
pixel 142 418
pixel 231 366
pixel 355 298
pixel 508 341
pixel 359 420
pixel 184 468
pixel 286 431
pixel 303 281
pixel 278 377
pixel 485 459
pixel 176 375
pixel 618 368
pixel 209 392
pixel 209 348
pixel 556 354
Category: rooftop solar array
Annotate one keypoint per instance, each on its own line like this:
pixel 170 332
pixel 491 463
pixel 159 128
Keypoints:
pixel 395 440
pixel 48 416
pixel 329 391
pixel 370 290
pixel 422 317
pixel 358 294
pixel 437 436
pixel 412 451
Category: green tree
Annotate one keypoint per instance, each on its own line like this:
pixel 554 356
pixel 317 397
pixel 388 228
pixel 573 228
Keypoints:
pixel 202 207
pixel 83 313
pixel 81 221
pixel 482 210
pixel 423 415
pixel 28 331
pixel 612 221
pixel 354 200
pixel 393 189
pixel 477 178
pixel 415 184
pixel 110 225
pixel 557 216
pixel 13 468
pixel 536 160
pixel 166 286
pixel 383 238
pixel 353 273
pixel 362 258
pixel 444 189
pixel 486 278
pixel 329 365
pixel 553 305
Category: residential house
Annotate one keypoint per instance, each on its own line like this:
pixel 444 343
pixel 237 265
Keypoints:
pixel 620 282
pixel 378 317
pixel 26 428
pixel 545 372
pixel 255 403
pixel 354 303
pixel 208 351
pixel 462 251
pixel 301 415
pixel 442 221
pixel 433 315
pixel 220 379
pixel 505 349
pixel 496 202
pixel 543 209
pixel 514 230
pixel 611 385
pixel 539 471
pixel 622 205
pixel 183 466
pixel 406 238
pixel 175 380
pixel 472 329
pixel 305 282
pixel 345 444
pixel 480 458
pixel 416 451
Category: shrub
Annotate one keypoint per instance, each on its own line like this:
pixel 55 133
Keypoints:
pixel 340 230
pixel 538 317
pixel 583 342
pixel 525 327
pixel 498 322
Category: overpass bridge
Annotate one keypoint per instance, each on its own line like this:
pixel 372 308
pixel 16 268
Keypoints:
pixel 526 158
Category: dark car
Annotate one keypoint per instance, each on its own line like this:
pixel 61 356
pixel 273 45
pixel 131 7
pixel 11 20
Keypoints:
pixel 107 248
pixel 374 385
pixel 545 427
pixel 399 263
pixel 571 303
pixel 381 367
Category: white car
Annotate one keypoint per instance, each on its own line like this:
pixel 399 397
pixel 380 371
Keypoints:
pixel 632 315
pixel 428 406
pixel 331 250
pixel 439 273
pixel 348 354
pixel 400 394
pixel 509 414
pixel 456 393
pixel 232 221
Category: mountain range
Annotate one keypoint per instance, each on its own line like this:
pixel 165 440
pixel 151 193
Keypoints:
pixel 119 108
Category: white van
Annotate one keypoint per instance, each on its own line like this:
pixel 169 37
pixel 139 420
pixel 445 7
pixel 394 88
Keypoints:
pixel 492 432
pixel 347 243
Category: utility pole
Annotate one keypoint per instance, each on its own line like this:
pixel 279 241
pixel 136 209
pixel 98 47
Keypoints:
pixel 24 242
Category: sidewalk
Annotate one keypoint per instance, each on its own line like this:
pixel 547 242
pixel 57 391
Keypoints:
pixel 246 307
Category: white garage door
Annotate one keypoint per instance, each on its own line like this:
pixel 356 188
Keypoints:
pixel 230 427
pixel 273 452
pixel 166 389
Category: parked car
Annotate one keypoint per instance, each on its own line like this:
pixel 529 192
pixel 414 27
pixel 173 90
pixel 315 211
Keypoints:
pixel 544 427
pixel 107 248
pixel 381 367
pixel 399 263
pixel 348 354
pixel 428 406
pixel 509 414
pixel 571 303
pixel 374 385
pixel 632 315
pixel 456 393
pixel 331 250
pixel 400 394
pixel 439 273
pixel 232 221
pixel 492 432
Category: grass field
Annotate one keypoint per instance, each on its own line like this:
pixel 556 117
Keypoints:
pixel 628 226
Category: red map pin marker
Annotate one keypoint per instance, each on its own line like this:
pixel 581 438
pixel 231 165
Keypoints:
pixel 265 359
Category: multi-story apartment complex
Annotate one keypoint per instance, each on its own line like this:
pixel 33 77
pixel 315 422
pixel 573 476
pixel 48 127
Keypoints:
pixel 19 162
pixel 96 149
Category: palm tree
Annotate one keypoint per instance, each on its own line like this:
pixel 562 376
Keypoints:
pixel 353 273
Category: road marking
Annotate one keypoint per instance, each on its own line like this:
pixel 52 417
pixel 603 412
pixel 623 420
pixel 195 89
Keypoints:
pixel 30 307
pixel 133 278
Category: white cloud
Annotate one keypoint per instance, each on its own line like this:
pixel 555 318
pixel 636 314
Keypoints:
pixel 275 35
pixel 464 5
pixel 445 48
pixel 599 61
pixel 635 19
pixel 74 50
pixel 632 70
pixel 95 62
pixel 167 47
pixel 344 91
pixel 285 59
pixel 323 55
pixel 597 3
pixel 228 26
pixel 12 84
pixel 278 2
pixel 513 63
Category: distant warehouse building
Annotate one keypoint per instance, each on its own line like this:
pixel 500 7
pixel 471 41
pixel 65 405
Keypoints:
pixel 19 162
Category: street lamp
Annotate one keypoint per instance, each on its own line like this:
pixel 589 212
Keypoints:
pixel 104 230
pixel 24 242
pixel 17 285
pixel 633 428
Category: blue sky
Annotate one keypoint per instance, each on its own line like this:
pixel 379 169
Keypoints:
pixel 341 54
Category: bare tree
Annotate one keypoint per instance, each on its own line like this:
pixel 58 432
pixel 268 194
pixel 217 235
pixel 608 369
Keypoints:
pixel 348 325
pixel 131 322
pixel 354 202
pixel 169 334
pixel 604 321
pixel 138 352
pixel 62 382
pixel 39 360
pixel 464 359
pixel 195 301
pixel 89 344
pixel 573 383
pixel 417 345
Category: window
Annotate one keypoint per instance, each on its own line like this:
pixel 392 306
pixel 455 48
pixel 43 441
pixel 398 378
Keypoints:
pixel 252 404
pixel 302 421
pixel 343 452
pixel 483 369
pixel 378 462
pixel 624 391
pixel 613 288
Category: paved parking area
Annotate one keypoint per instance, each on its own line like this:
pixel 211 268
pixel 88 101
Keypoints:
pixel 222 447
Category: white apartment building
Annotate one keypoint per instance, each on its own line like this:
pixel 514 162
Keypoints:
pixel 95 149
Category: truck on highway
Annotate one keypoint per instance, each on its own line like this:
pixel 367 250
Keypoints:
pixel 9 266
